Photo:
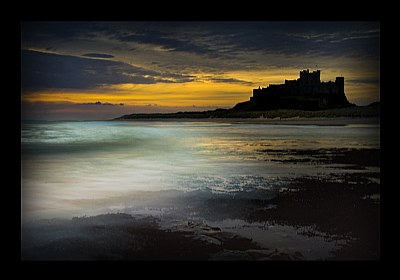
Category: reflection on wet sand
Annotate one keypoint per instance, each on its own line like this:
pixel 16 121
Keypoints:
pixel 215 192
pixel 331 217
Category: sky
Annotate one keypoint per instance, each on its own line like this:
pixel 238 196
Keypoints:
pixel 103 70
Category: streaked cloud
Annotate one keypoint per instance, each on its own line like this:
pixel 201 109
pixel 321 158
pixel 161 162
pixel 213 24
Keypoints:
pixel 226 80
pixel 53 71
pixel 98 55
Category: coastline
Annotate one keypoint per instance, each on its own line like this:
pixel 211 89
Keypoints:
pixel 273 121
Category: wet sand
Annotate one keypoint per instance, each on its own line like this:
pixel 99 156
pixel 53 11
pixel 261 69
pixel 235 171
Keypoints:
pixel 342 207
pixel 123 237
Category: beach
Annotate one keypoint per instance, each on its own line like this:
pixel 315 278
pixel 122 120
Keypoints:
pixel 211 190
pixel 338 212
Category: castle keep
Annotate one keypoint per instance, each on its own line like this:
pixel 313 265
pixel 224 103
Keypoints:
pixel 305 93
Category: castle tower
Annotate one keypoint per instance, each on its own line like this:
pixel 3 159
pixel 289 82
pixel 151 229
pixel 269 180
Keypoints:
pixel 340 85
pixel 303 74
pixel 310 81
pixel 317 76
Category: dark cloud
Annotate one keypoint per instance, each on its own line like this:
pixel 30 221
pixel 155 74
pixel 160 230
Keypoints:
pixel 305 38
pixel 176 78
pixel 363 81
pixel 227 80
pixel 98 55
pixel 42 31
pixel 166 40
pixel 43 70
pixel 226 39
pixel 100 103
pixel 222 39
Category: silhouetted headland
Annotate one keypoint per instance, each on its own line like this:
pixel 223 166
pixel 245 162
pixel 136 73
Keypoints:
pixel 305 93
pixel 306 97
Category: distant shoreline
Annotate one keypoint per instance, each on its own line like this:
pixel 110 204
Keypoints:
pixel 276 121
pixel 340 116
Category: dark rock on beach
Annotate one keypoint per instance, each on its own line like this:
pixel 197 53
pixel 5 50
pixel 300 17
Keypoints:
pixel 123 237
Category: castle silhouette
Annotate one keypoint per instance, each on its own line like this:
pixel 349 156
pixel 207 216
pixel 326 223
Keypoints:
pixel 305 93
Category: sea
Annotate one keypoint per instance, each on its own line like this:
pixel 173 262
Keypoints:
pixel 83 168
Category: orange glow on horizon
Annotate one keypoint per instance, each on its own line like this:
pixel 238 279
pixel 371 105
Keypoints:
pixel 163 94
